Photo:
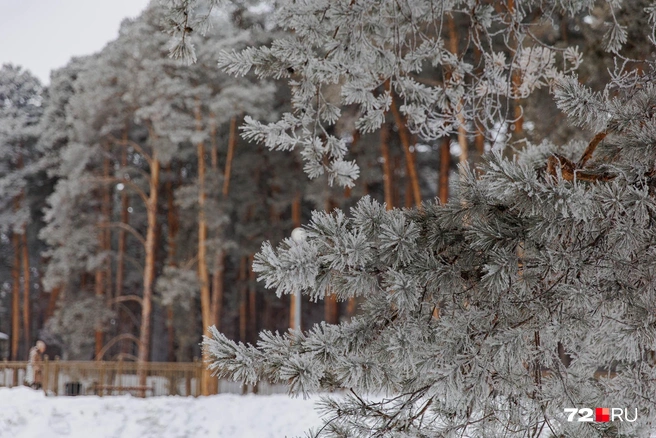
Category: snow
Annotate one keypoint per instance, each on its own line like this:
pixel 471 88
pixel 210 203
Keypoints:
pixel 26 413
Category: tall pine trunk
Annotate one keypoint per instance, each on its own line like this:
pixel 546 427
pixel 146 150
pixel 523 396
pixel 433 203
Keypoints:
pixel 331 307
pixel 462 132
pixel 219 261
pixel 405 137
pixel 52 302
pixel 15 297
pixel 243 287
pixel 387 166
pixel 296 220
pixel 217 289
pixel 103 244
pixel 252 301
pixel 232 142
pixel 123 318
pixel 149 267
pixel 445 164
pixel 26 289
pixel 120 256
pixel 172 220
pixel 203 274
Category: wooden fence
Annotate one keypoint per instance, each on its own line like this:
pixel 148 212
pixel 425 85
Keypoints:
pixel 121 377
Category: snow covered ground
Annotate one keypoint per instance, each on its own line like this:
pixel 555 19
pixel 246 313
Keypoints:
pixel 25 413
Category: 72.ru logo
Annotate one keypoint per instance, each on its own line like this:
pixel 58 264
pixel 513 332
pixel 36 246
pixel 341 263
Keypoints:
pixel 601 415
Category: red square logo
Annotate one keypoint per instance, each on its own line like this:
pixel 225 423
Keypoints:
pixel 602 415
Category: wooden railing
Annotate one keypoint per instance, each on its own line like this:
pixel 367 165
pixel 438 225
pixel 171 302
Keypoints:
pixel 121 377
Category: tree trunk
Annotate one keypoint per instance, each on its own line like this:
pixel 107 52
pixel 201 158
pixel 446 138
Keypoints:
pixel 103 244
pixel 26 290
pixel 232 142
pixel 15 297
pixel 462 132
pixel 219 262
pixel 123 320
pixel 518 123
pixel 242 298
pixel 172 220
pixel 52 302
pixel 252 301
pixel 293 299
pixel 217 289
pixel 125 218
pixel 214 152
pixel 404 134
pixel 107 214
pixel 445 165
pixel 99 282
pixel 149 266
pixel 203 274
pixel 480 142
pixel 387 166
pixel 331 308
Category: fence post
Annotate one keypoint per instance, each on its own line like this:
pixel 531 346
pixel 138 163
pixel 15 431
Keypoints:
pixel 14 374
pixel 46 372
pixel 199 373
pixel 188 374
pixel 102 378
pixel 55 370
pixel 120 370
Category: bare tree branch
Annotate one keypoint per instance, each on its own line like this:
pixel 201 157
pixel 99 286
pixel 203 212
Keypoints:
pixel 127 228
pixel 136 146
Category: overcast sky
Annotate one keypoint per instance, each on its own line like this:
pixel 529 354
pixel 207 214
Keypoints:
pixel 41 35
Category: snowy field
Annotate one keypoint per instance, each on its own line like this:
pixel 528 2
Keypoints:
pixel 25 413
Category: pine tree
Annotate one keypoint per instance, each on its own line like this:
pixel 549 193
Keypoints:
pixel 21 99
pixel 467 307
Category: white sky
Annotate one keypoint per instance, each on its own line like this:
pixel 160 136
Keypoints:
pixel 41 35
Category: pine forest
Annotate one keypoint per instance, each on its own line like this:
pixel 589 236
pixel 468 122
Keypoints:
pixel 442 210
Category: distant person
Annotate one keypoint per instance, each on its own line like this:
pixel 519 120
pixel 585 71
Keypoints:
pixel 34 372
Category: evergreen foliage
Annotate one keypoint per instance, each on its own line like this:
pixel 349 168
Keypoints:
pixel 530 291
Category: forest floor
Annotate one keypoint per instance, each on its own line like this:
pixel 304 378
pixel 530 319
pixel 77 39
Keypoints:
pixel 26 413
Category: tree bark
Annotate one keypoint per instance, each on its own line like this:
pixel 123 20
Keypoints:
pixel 219 262
pixel 296 220
pixel 15 297
pixel 252 301
pixel 232 142
pixel 203 274
pixel 480 142
pixel 125 218
pixel 107 214
pixel 404 134
pixel 52 302
pixel 26 290
pixel 387 166
pixel 331 308
pixel 462 132
pixel 214 152
pixel 172 220
pixel 242 298
pixel 217 289
pixel 121 247
pixel 445 165
pixel 103 244
pixel 149 266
